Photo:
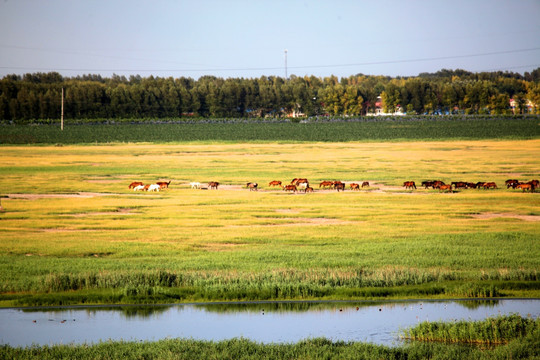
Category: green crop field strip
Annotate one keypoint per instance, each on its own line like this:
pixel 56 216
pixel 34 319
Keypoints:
pixel 72 231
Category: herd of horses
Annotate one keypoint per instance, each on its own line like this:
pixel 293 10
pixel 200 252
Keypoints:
pixel 454 185
pixel 303 185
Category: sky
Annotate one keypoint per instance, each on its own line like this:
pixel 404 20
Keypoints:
pixel 254 38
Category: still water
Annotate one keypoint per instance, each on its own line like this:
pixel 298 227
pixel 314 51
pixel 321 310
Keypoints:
pixel 287 322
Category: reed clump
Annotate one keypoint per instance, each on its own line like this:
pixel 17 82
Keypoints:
pixel 494 330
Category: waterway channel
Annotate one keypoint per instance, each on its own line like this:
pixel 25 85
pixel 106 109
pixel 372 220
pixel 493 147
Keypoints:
pixel 271 322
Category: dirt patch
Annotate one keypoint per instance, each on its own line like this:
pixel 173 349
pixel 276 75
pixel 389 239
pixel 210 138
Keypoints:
pixel 56 196
pixel 487 216
pixel 298 222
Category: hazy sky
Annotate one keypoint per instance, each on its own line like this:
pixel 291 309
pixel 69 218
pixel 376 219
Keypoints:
pixel 248 38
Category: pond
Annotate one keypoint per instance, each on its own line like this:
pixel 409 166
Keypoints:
pixel 265 322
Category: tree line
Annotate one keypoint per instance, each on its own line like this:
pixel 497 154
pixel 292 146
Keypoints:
pixel 38 95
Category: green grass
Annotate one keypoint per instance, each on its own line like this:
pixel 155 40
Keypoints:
pixel 497 330
pixel 370 129
pixel 115 246
pixel 526 347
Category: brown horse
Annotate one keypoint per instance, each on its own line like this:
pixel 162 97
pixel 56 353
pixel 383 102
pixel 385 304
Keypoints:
pixel 134 184
pixel 511 183
pixel 290 188
pixel 365 183
pixel 213 185
pixel 274 183
pixel 309 189
pixel 325 184
pixel 445 187
pixel 409 185
pixel 525 187
pixel 490 185
pixel 354 186
pixel 252 186
pixel 338 185
pixel 163 184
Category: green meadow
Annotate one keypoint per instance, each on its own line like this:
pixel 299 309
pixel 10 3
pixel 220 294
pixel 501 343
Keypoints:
pixel 72 232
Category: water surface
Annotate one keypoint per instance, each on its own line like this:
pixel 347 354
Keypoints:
pixel 283 322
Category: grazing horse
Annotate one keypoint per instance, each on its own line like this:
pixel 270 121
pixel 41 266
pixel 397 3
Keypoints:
pixel 325 184
pixel 213 185
pixel 525 186
pixel 290 188
pixel 445 187
pixel 302 186
pixel 338 185
pixel 490 185
pixel 459 184
pixel 534 183
pixel 300 181
pixel 252 186
pixel 195 185
pixel 163 184
pixel 354 186
pixel 365 183
pixel 274 183
pixel 437 184
pixel 134 184
pixel 409 185
pixel 308 189
pixel 511 183
pixel 138 188
pixel 480 184
pixel 153 187
pixel 427 184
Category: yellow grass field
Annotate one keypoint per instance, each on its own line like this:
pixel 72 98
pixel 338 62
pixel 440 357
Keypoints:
pixel 70 223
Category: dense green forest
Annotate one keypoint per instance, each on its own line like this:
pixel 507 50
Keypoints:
pixel 38 95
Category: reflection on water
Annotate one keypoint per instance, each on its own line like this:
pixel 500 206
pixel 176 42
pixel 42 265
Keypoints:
pixel 266 322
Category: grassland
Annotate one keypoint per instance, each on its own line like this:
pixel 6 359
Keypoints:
pixel 229 130
pixel 72 232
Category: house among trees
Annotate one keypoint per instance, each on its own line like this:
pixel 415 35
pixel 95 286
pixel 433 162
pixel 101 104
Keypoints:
pixel 521 105
pixel 379 109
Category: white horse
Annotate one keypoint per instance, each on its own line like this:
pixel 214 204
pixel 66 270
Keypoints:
pixel 195 185
pixel 138 188
pixel 154 187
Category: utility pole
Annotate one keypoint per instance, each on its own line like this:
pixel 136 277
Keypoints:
pixel 286 65
pixel 62 112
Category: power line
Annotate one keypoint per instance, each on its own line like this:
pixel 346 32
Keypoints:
pixel 384 62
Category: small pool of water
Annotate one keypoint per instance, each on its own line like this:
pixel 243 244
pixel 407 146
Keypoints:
pixel 282 322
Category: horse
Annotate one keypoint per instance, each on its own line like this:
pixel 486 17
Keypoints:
pixel 274 183
pixel 302 186
pixel 195 185
pixel 213 185
pixel 354 186
pixel 365 183
pixel 138 188
pixel 308 189
pixel 153 187
pixel 409 185
pixel 134 184
pixel 490 185
pixel 525 186
pixel 300 181
pixel 459 184
pixel 427 184
pixel 437 184
pixel 290 188
pixel 445 187
pixel 511 183
pixel 338 185
pixel 534 183
pixel 163 184
pixel 325 184
pixel 252 186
